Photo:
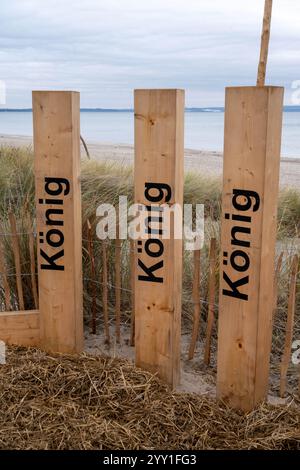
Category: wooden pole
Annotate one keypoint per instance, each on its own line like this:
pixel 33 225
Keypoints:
pixel 132 285
pixel 58 200
pixel 159 117
pixel 289 326
pixel 118 284
pixel 3 274
pixel 276 280
pixel 93 278
pixel 33 270
pixel 253 121
pixel 211 300
pixel 196 302
pixel 17 258
pixel 265 38
pixel 105 292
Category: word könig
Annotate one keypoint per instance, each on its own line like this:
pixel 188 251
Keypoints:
pixel 245 203
pixel 53 236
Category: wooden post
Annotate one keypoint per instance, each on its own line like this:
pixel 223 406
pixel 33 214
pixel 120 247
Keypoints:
pixel 197 305
pixel 211 300
pixel 93 277
pixel 265 38
pixel 253 120
pixel 118 283
pixel 289 325
pixel 276 280
pixel 3 274
pixel 159 116
pixel 17 258
pixel 105 292
pixel 32 270
pixel 58 202
pixel 132 286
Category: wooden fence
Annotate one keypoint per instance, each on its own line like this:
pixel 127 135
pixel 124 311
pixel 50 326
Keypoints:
pixel 110 299
pixel 54 278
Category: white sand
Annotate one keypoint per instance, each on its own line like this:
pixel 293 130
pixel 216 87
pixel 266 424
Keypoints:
pixel 195 377
pixel 207 162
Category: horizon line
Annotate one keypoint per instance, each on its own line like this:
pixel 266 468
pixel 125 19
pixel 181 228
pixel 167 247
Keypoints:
pixel 189 109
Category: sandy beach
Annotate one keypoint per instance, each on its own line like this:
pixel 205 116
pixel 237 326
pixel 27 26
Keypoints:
pixel 207 162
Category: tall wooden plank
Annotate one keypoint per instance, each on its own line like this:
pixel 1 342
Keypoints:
pixel 58 203
pixel 253 120
pixel 159 123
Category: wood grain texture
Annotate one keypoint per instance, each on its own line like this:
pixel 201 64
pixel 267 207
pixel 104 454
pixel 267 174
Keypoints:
pixel 253 121
pixel 20 328
pixel 159 126
pixel 57 178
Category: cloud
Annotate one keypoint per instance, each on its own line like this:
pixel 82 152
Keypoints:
pixel 106 48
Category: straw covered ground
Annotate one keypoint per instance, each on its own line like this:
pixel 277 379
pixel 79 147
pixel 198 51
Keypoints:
pixel 86 402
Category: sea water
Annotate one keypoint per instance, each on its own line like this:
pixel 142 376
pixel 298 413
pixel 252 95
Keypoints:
pixel 203 130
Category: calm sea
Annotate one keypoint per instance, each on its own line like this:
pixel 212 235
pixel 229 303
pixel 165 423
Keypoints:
pixel 203 130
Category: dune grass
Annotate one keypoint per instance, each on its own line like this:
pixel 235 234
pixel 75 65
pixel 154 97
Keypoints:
pixel 104 182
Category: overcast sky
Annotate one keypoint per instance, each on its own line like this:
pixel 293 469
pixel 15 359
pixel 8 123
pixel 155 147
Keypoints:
pixel 106 48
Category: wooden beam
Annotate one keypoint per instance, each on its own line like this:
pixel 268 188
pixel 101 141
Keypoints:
pixel 253 121
pixel 20 328
pixel 58 200
pixel 159 116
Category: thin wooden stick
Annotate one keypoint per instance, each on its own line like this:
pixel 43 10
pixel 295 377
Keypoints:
pixel 93 277
pixel 196 301
pixel 85 147
pixel 33 271
pixel 276 280
pixel 3 274
pixel 105 292
pixel 118 284
pixel 16 251
pixel 289 326
pixel 211 300
pixel 264 48
pixel 132 282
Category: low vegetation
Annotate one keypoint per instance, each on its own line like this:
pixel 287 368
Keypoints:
pixel 104 182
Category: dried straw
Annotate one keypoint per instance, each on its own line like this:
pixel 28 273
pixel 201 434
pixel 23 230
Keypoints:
pixel 64 402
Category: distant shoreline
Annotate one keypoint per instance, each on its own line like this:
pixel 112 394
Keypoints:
pixel 207 109
pixel 207 162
